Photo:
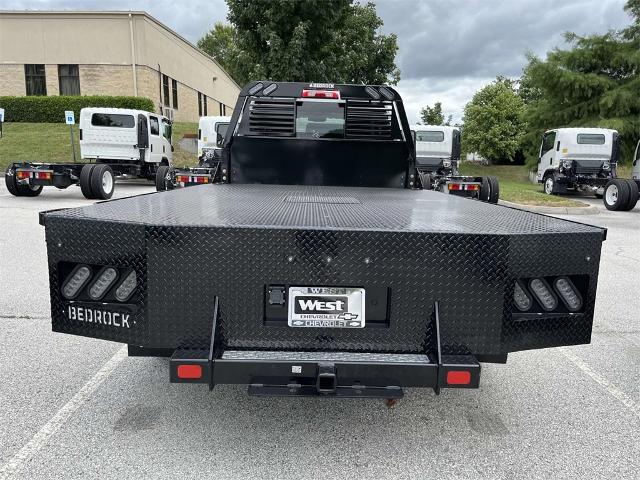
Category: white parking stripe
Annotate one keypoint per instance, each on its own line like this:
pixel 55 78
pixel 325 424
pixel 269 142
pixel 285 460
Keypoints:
pixel 610 387
pixel 63 415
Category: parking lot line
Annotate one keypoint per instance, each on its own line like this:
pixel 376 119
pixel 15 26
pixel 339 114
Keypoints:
pixel 61 417
pixel 610 387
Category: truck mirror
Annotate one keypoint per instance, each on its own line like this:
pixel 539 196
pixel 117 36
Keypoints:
pixel 219 140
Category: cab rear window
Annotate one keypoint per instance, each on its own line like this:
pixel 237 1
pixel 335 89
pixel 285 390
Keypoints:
pixel 112 120
pixel 319 119
pixel 430 136
pixel 591 138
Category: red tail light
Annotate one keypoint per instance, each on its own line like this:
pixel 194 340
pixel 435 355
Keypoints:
pixel 333 94
pixel 22 174
pixel 189 371
pixel 458 377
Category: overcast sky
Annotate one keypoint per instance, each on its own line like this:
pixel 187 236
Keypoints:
pixel 448 48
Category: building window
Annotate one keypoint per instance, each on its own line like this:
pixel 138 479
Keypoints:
pixel 174 90
pixel 69 79
pixel 204 98
pixel 35 79
pixel 222 110
pixel 199 104
pixel 165 90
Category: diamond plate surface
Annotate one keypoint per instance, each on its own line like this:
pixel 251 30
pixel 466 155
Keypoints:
pixel 326 356
pixel 190 245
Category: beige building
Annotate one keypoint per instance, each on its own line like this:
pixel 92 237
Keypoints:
pixel 111 53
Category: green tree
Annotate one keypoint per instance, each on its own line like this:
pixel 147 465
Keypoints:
pixel 594 83
pixel 220 43
pixel 493 124
pixel 315 40
pixel 434 116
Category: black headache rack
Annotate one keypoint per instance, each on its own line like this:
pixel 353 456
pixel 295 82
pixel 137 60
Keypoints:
pixel 268 140
pixel 205 275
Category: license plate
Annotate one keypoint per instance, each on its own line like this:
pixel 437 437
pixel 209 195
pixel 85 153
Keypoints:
pixel 326 307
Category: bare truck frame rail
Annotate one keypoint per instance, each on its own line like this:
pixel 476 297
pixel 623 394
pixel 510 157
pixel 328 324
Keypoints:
pixel 320 266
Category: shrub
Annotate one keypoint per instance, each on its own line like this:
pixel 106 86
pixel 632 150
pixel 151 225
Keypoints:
pixel 35 109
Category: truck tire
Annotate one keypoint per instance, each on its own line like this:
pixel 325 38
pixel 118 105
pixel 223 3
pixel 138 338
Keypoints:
pixel 85 181
pixel 20 190
pixel 549 184
pixel 162 183
pixel 494 189
pixel 425 180
pixel 103 182
pixel 485 190
pixel 616 194
pixel 633 195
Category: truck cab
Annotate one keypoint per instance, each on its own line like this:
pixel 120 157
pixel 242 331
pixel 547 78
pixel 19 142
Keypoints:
pixel 579 159
pixel 119 134
pixel 437 148
pixel 211 132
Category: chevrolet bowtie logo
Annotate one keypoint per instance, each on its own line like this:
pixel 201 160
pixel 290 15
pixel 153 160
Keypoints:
pixel 348 316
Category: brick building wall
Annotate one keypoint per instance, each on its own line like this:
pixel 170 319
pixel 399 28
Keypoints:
pixel 115 80
pixel 12 80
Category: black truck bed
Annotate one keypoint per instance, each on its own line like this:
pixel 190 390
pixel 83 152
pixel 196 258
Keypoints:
pixel 334 208
pixel 407 248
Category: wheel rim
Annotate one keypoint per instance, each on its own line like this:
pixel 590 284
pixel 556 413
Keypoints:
pixel 611 195
pixel 548 186
pixel 34 187
pixel 107 182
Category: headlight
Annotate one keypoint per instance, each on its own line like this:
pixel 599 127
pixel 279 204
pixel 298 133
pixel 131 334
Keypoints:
pixel 606 165
pixel 446 163
pixel 567 164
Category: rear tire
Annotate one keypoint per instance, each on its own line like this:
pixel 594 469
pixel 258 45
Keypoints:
pixel 633 195
pixel 102 182
pixel 494 189
pixel 616 194
pixel 485 190
pixel 85 181
pixel 162 180
pixel 10 182
pixel 20 190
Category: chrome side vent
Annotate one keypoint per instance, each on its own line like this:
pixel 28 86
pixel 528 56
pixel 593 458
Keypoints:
pixel 272 117
pixel 369 119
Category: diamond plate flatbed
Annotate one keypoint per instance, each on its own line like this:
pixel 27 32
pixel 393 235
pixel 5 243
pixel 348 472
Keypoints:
pixel 232 242
pixel 331 208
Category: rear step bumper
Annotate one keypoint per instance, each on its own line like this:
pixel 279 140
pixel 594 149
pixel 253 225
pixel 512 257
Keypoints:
pixel 343 374
pixel 334 373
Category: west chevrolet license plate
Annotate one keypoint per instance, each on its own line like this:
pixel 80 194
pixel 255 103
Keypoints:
pixel 326 307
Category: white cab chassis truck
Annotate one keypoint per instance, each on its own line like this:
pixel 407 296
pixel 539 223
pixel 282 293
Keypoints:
pixel 114 143
pixel 211 133
pixel 577 159
pixel 437 159
pixel 622 193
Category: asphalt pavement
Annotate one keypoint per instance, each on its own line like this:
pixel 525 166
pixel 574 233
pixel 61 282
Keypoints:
pixel 73 407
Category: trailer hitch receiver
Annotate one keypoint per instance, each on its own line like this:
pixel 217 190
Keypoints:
pixel 326 382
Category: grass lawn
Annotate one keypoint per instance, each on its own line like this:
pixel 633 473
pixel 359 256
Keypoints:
pixel 50 142
pixel 515 185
